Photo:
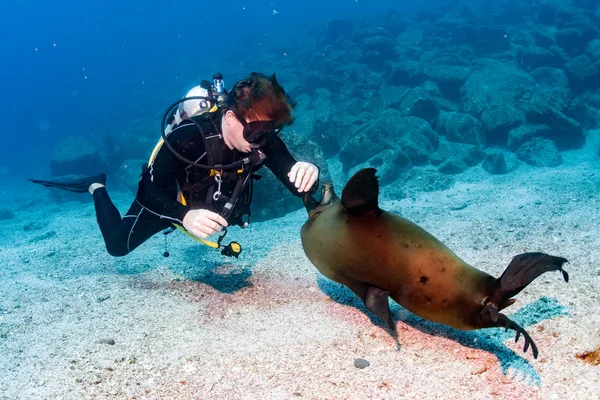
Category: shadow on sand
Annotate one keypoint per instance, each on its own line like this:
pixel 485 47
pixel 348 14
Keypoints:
pixel 490 340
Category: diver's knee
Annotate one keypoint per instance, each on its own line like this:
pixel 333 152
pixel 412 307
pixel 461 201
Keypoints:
pixel 117 251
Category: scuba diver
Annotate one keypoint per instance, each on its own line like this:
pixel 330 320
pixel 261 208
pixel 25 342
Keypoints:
pixel 200 176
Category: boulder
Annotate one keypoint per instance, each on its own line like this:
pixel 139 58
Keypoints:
pixel 129 174
pixel 494 85
pixel 403 73
pixel 418 103
pixel 524 133
pixel 381 48
pixel 330 130
pixel 76 156
pixel 532 57
pixel 498 119
pixel 467 154
pixel 552 77
pixel 271 199
pixel 387 131
pixel 593 50
pixel 450 78
pixel 462 128
pixel 539 152
pixel 393 95
pixel 583 73
pixel 564 131
pixel 499 162
pixel 389 163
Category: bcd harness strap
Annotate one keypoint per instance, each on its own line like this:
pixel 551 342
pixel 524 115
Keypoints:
pixel 243 176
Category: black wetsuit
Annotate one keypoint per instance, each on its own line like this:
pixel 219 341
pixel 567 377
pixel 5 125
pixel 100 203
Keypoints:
pixel 156 206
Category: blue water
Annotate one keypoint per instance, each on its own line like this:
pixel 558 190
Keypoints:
pixel 73 68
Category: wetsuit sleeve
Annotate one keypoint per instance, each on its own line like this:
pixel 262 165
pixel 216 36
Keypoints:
pixel 280 161
pixel 159 183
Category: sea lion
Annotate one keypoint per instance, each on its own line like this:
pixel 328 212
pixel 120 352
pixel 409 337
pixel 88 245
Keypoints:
pixel 378 255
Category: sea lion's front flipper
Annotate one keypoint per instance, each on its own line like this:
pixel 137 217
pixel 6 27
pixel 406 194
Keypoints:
pixel 376 301
pixel 361 193
pixel 521 271
pixel 490 317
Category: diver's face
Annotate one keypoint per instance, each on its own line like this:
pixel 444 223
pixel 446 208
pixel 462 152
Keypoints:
pixel 239 134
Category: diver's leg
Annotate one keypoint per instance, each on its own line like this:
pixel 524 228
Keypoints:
pixel 123 235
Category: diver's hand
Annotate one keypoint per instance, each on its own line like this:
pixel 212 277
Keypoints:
pixel 303 175
pixel 203 223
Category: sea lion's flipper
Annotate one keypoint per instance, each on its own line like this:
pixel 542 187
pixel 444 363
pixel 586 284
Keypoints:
pixel 521 271
pixel 490 317
pixel 361 193
pixel 376 301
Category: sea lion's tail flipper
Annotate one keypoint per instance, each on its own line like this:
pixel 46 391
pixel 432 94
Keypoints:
pixel 490 317
pixel 521 271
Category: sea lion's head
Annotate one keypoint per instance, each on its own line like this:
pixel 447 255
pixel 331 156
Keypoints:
pixel 328 198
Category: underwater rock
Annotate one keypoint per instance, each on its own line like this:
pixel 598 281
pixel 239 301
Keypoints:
pixel 483 39
pixel 383 46
pixel 452 166
pixel 450 78
pixel 330 130
pixel 75 155
pixel 524 133
pixel 498 119
pixel 419 145
pixel 361 363
pixel 559 98
pixel 418 103
pixel 471 155
pixel 403 73
pixel 552 77
pixel 583 73
pixel 572 40
pixel 593 50
pixel 129 173
pixel 582 110
pixel 135 141
pixel 494 85
pixel 389 163
pixel 372 137
pixel 539 152
pixel 543 36
pixel 392 95
pixel 336 29
pixel 387 131
pixel 564 131
pixel 5 215
pixel 410 37
pixel 532 57
pixel 498 162
pixel 270 200
pixel 462 128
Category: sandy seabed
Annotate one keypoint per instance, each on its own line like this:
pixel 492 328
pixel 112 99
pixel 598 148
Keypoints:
pixel 76 323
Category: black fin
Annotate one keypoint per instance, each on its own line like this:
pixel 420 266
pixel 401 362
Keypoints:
pixel 490 317
pixel 522 270
pixel 74 185
pixel 361 193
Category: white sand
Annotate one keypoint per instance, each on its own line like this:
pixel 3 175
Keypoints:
pixel 265 326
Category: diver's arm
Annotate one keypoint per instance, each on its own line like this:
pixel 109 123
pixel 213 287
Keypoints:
pixel 280 161
pixel 158 187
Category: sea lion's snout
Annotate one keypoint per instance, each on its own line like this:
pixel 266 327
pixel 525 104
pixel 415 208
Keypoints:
pixel 328 197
